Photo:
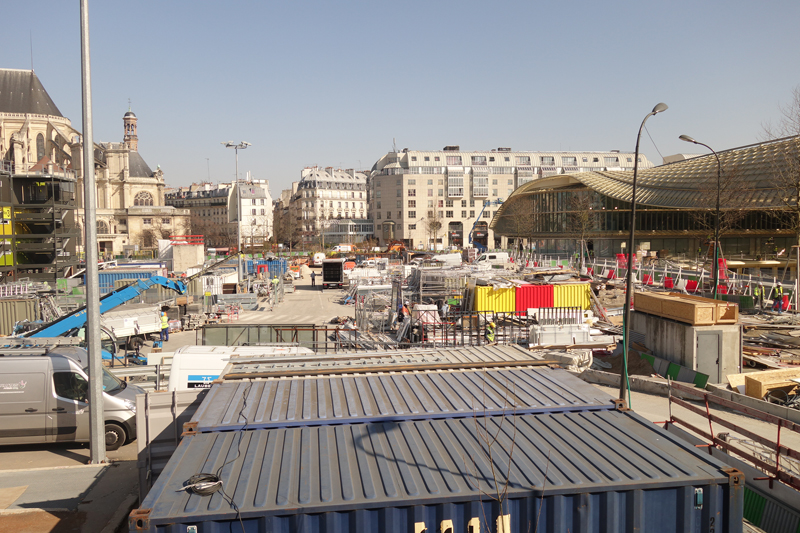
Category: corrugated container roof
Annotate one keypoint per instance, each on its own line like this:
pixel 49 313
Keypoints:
pixel 304 401
pixel 242 368
pixel 311 470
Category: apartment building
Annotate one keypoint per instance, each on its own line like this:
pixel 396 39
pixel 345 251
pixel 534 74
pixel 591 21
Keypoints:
pixel 214 211
pixel 326 198
pixel 433 200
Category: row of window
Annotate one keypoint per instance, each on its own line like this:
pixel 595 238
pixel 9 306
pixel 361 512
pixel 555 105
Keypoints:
pixel 546 160
pixel 103 227
pixel 331 194
pixel 307 205
pixel 442 214
pixel 399 182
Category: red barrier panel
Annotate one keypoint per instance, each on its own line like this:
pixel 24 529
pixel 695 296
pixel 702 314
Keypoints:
pixel 669 283
pixel 532 296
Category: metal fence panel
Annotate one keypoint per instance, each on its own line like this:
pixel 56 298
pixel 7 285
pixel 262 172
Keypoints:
pixel 159 423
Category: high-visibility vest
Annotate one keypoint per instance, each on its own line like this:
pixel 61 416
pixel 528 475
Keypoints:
pixel 757 292
pixel 779 291
pixel 164 322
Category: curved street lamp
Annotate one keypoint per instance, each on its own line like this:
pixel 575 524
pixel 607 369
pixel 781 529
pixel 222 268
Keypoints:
pixel 715 266
pixel 626 324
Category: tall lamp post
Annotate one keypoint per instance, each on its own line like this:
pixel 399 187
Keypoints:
pixel 241 146
pixel 626 324
pixel 715 267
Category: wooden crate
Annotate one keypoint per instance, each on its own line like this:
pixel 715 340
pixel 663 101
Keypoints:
pixel 648 302
pixel 694 310
pixel 184 300
pixel 694 313
pixel 758 384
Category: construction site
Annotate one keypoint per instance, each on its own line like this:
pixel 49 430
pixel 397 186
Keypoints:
pixel 512 360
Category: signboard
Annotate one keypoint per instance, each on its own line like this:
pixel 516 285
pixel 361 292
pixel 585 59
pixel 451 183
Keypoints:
pixel 200 381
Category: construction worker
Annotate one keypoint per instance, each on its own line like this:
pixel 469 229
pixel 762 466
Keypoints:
pixel 758 296
pixel 778 302
pixel 164 327
pixel 490 332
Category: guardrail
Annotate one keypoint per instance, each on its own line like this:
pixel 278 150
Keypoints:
pixel 154 375
pixel 764 453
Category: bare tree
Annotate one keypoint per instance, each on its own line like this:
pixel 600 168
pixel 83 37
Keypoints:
pixel 582 216
pixel 785 162
pixel 433 224
pixel 732 201
pixel 155 230
pixel 520 218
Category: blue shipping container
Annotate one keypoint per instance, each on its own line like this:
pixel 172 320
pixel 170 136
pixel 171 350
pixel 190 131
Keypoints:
pixel 108 278
pixel 600 471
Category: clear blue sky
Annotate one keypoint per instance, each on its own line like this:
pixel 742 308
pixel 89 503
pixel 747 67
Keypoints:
pixel 332 83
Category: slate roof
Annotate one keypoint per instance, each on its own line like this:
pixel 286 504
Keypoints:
pixel 138 168
pixel 22 92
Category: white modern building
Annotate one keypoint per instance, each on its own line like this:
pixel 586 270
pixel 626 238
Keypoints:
pixel 432 200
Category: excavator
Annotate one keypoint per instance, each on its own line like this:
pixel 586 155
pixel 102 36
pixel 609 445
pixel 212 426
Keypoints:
pixel 395 246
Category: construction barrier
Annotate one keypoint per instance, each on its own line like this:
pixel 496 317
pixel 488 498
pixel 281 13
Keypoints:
pixel 497 300
pixel 572 295
pixel 532 297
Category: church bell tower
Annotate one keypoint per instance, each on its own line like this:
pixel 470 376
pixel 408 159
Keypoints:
pixel 130 139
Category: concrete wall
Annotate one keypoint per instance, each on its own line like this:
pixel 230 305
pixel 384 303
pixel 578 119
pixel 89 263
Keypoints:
pixel 712 350
pixel 185 256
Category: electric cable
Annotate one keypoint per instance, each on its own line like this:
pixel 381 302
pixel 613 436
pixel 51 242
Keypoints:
pixel 205 484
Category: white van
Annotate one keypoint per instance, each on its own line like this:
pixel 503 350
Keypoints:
pixel 493 258
pixel 44 398
pixel 318 258
pixel 451 259
pixel 343 248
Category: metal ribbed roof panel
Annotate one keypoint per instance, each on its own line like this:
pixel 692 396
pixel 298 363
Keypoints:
pixel 305 401
pixel 254 366
pixel 569 460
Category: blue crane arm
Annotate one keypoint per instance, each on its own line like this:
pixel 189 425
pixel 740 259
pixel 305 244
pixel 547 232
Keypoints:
pixel 113 299
pixel 477 245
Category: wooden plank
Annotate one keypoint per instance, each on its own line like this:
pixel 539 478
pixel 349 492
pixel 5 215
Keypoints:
pixel 758 384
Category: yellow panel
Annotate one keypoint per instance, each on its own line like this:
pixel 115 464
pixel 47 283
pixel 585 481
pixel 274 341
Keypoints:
pixel 497 300
pixel 7 212
pixel 572 295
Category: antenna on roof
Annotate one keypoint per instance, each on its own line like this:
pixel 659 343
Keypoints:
pixel 31 38
pixel 129 104
pixel 394 145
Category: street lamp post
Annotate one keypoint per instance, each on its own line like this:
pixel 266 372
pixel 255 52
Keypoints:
pixel 241 146
pixel 626 324
pixel 715 266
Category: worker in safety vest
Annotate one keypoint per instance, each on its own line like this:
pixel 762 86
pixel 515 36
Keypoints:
pixel 777 304
pixel 164 327
pixel 490 332
pixel 758 296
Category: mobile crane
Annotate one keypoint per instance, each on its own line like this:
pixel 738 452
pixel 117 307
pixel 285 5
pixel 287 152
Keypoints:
pixel 69 325
pixel 481 248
